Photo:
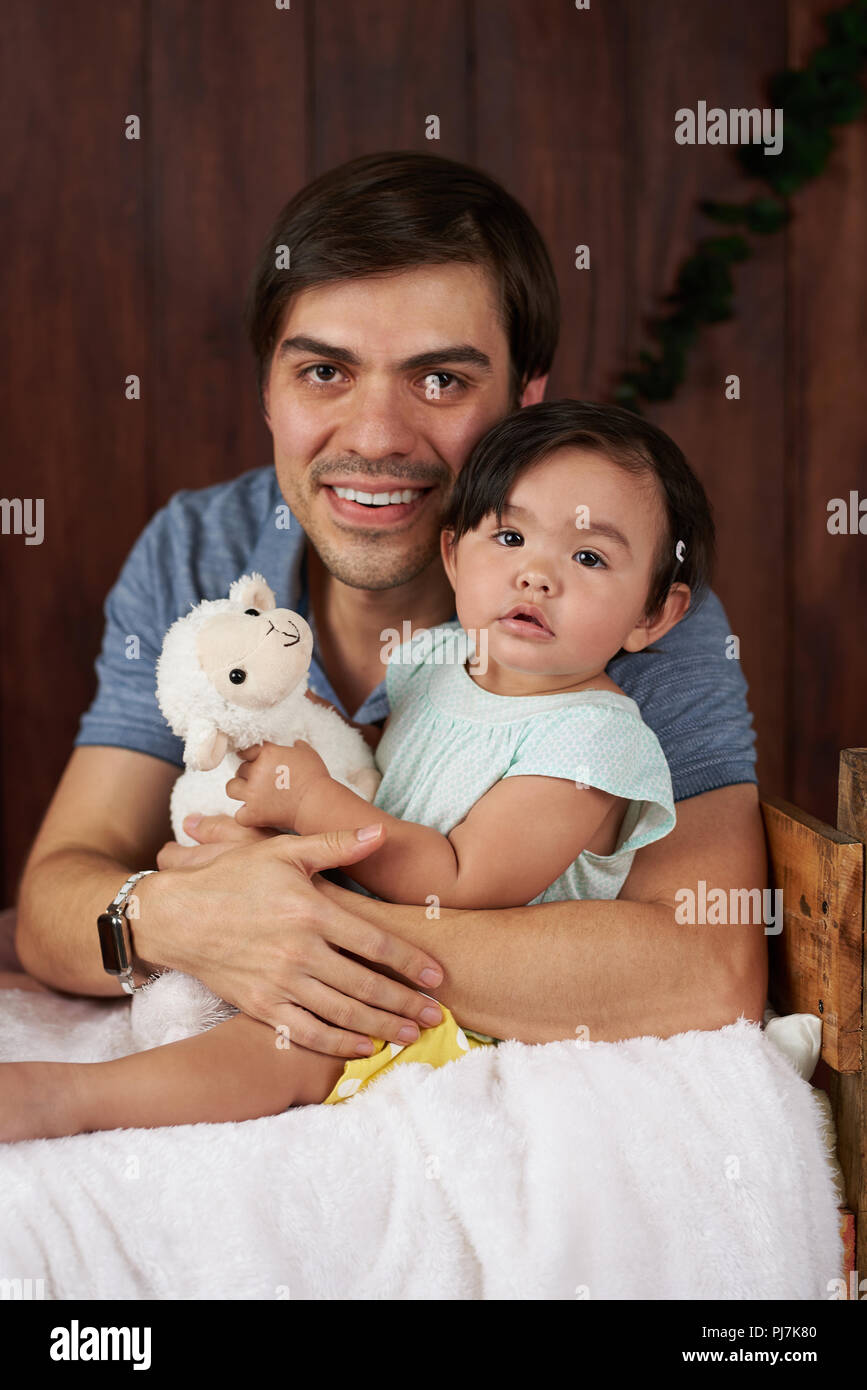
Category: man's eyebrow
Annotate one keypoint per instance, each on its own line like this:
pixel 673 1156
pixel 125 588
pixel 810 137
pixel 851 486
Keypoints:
pixel 300 343
pixel 597 528
pixel 459 353
pixel 464 354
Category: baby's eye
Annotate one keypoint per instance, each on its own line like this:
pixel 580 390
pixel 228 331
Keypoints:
pixel 499 535
pixel 593 556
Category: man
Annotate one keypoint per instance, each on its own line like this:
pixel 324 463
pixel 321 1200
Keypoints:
pixel 418 307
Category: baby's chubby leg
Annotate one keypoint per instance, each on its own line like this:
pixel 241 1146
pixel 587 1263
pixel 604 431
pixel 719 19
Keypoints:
pixel 240 1070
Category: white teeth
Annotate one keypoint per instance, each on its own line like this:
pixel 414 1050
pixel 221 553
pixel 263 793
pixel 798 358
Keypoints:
pixel 378 499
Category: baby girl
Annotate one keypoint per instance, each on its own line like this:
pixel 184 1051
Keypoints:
pixel 515 770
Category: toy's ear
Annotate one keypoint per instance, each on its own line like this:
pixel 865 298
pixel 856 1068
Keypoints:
pixel 253 591
pixel 205 748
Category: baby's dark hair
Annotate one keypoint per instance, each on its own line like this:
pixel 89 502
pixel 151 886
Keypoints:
pixel 629 441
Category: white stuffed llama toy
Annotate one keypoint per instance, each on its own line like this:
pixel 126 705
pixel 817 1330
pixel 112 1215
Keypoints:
pixel 233 672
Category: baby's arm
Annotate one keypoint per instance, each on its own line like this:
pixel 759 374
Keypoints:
pixel 240 1070
pixel 516 840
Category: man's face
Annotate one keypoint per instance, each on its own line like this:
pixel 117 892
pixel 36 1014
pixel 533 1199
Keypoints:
pixel 383 385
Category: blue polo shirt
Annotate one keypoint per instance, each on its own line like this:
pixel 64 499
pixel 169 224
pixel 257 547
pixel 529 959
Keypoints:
pixel 689 692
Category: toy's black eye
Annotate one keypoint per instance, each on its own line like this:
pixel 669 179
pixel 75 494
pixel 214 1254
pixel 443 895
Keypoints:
pixel 253 611
pixel 237 677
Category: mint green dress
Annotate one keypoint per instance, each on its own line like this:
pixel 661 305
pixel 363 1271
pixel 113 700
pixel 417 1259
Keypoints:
pixel 448 741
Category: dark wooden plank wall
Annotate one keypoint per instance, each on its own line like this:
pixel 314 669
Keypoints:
pixel 125 257
pixel 76 313
pixel 827 429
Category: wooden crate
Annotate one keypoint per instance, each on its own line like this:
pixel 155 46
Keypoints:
pixel 817 963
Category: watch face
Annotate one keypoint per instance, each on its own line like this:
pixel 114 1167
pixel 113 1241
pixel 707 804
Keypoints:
pixel 112 941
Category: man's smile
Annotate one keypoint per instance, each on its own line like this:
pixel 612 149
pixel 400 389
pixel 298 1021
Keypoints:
pixel 382 502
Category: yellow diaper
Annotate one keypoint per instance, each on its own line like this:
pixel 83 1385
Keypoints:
pixel 432 1048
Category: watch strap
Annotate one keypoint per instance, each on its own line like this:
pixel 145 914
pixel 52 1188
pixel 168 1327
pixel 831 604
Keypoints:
pixel 114 936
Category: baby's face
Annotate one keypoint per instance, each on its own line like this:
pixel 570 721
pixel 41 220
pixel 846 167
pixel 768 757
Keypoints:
pixel 577 541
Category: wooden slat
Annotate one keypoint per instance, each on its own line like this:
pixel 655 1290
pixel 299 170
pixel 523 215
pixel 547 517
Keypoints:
pixel 847 1236
pixel 737 447
pixel 73 282
pixel 229 137
pixel 849 1092
pixel 555 126
pixel 827 330
pixel 816 961
pixel 379 69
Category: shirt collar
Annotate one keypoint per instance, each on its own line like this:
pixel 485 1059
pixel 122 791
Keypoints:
pixel 279 555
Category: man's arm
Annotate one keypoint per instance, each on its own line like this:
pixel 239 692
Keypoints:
pixel 621 968
pixel 256 929
pixel 108 817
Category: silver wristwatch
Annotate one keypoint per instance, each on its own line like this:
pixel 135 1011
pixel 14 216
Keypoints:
pixel 114 936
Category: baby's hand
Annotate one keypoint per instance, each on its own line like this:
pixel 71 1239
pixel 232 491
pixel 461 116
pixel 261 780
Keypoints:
pixel 272 780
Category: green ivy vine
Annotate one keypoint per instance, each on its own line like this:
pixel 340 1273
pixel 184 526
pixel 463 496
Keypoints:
pixel 825 93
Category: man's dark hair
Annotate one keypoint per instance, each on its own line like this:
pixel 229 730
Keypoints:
pixel 520 440
pixel 396 211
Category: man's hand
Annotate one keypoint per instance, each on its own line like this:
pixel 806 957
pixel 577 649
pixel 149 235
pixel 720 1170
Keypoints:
pixel 254 926
pixel 216 834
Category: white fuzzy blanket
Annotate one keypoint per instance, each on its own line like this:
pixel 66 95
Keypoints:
pixel 690 1168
